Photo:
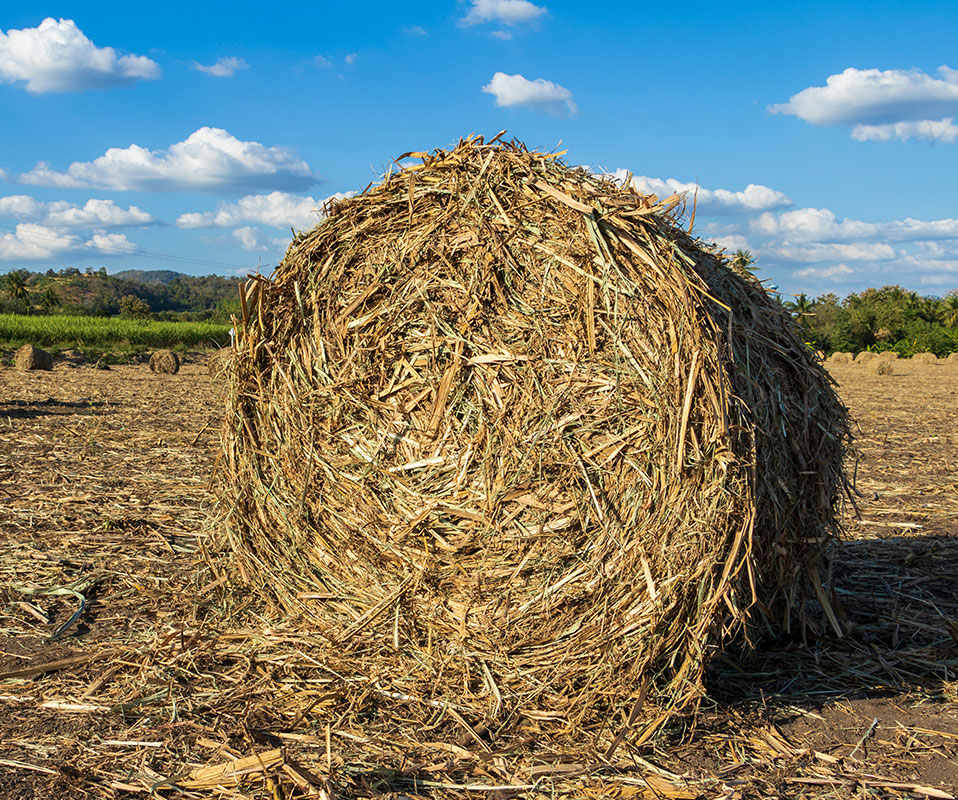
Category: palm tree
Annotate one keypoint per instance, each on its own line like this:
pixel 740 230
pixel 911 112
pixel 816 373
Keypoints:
pixel 15 285
pixel 49 299
pixel 743 261
pixel 949 310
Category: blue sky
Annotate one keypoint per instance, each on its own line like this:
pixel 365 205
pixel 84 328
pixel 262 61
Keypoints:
pixel 822 137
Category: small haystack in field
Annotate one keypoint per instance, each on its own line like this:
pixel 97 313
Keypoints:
pixel 29 357
pixel 888 355
pixel 925 358
pixel 841 358
pixel 217 364
pixel 865 357
pixel 881 366
pixel 952 360
pixel 165 362
pixel 515 444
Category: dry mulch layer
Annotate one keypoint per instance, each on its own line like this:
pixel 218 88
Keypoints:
pixel 131 665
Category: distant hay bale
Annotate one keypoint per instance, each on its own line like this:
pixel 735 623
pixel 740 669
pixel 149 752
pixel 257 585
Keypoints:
pixel 925 358
pixel 881 366
pixel 165 362
pixel 865 357
pixel 218 362
pixel 888 355
pixel 29 357
pixel 509 439
pixel 952 360
pixel 840 358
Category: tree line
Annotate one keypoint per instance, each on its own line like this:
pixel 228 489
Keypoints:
pixel 134 294
pixel 890 318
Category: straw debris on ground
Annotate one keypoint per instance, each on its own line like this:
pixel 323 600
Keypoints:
pixel 523 451
pixel 170 676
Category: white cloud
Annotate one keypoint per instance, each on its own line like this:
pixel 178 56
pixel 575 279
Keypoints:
pixel 414 30
pixel 3 175
pixel 322 62
pixel 731 243
pixel 248 238
pixel 810 225
pixel 56 56
pixel 833 251
pixel 94 213
pixel 278 209
pixel 942 130
pixel 502 12
pixel 111 244
pixel 538 95
pixel 251 239
pixel 224 67
pixel 882 105
pixel 821 225
pixel 31 242
pixel 351 58
pixel 754 197
pixel 827 273
pixel 209 160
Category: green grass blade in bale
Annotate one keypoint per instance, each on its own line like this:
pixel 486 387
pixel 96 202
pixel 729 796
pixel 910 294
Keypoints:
pixel 514 443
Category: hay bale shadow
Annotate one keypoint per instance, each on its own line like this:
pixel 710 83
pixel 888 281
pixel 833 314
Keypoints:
pixel 900 596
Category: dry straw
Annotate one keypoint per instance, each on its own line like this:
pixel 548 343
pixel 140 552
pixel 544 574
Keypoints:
pixel 881 366
pixel 165 362
pixel 925 358
pixel 29 357
pixel 952 359
pixel 865 357
pixel 218 362
pixel 888 355
pixel 522 450
pixel 840 358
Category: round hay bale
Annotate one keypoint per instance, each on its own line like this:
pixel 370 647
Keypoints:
pixel 165 362
pixel 881 366
pixel 507 437
pixel 218 363
pixel 29 357
pixel 866 357
pixel 925 358
pixel 888 355
pixel 952 360
pixel 840 358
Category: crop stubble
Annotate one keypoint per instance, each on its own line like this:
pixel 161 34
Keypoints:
pixel 167 670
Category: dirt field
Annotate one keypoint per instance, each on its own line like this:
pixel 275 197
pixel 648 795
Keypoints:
pixel 127 660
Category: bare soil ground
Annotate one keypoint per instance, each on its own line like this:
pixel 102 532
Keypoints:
pixel 128 659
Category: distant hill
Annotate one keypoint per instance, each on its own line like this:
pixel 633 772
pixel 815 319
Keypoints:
pixel 167 294
pixel 149 275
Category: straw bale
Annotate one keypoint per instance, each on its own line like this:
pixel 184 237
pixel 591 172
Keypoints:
pixel 865 357
pixel 165 362
pixel 29 357
pixel 888 355
pixel 952 359
pixel 515 444
pixel 840 358
pixel 218 363
pixel 881 366
pixel 925 358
